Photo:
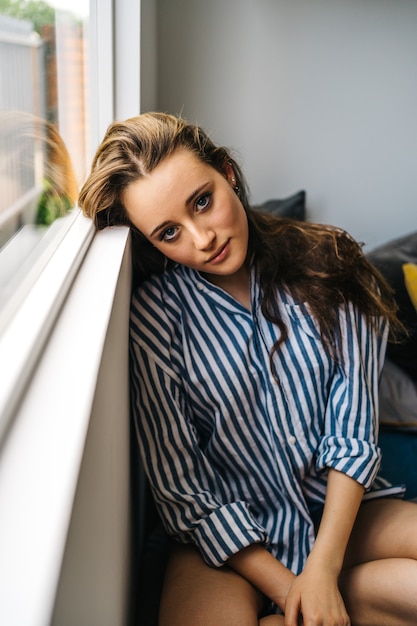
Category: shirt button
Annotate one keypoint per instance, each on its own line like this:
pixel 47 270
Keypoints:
pixel 200 286
pixel 292 440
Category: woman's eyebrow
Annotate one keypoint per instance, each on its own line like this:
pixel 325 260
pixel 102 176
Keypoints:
pixel 195 193
pixel 160 227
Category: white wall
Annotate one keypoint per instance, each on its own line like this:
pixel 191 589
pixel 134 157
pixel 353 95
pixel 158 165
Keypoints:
pixel 148 55
pixel 313 94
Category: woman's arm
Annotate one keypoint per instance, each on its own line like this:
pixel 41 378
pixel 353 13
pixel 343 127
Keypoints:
pixel 315 593
pixel 189 492
pixel 349 441
pixel 343 498
pixel 264 571
pixel 349 453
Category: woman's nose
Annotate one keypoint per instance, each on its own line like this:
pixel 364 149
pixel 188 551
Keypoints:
pixel 204 238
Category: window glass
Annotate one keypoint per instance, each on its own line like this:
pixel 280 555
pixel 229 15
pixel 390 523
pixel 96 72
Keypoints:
pixel 44 127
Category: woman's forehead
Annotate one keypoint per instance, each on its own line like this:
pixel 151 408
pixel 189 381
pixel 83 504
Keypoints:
pixel 167 188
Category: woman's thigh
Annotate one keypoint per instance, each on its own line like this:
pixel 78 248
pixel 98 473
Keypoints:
pixel 385 528
pixel 379 580
pixel 195 594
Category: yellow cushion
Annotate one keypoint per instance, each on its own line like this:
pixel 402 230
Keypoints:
pixel 410 279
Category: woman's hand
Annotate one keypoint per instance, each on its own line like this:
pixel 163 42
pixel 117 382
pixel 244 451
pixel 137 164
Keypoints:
pixel 314 599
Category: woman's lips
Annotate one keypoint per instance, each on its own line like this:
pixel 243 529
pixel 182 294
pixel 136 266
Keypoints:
pixel 221 254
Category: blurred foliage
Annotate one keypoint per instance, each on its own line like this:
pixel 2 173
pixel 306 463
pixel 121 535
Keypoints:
pixel 51 205
pixel 38 12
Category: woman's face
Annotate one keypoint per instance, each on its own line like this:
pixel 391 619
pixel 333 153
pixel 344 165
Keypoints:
pixel 191 213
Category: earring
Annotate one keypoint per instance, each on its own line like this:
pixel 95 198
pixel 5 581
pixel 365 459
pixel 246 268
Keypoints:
pixel 236 188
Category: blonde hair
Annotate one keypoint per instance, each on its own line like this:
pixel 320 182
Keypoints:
pixel 134 147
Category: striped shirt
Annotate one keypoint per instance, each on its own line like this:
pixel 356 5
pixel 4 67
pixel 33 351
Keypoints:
pixel 233 454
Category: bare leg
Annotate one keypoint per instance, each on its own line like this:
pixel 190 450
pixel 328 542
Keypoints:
pixel 195 594
pixel 379 581
pixel 381 593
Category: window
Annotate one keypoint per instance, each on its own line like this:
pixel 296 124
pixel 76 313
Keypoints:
pixel 45 135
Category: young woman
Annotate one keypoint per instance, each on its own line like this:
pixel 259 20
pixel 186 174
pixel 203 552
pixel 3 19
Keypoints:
pixel 257 344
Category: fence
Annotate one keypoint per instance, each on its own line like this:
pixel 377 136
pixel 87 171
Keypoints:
pixel 22 101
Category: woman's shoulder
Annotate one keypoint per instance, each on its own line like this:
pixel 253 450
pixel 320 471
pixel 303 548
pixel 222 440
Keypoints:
pixel 156 312
pixel 162 292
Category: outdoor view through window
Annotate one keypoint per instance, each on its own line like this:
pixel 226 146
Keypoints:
pixel 44 127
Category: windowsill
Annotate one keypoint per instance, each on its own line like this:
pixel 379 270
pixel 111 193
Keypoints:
pixel 41 455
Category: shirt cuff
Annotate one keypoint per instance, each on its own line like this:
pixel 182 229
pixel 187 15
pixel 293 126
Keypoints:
pixel 356 458
pixel 226 531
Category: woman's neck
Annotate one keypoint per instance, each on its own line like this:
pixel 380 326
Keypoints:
pixel 237 285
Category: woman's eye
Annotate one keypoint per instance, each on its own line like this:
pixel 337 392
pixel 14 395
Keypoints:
pixel 169 234
pixel 203 202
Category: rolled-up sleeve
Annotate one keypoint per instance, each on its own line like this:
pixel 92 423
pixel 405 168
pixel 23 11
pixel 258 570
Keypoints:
pixel 349 443
pixel 190 495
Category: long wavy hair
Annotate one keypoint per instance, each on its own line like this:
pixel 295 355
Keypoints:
pixel 320 265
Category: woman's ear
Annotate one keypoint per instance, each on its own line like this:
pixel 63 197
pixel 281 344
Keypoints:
pixel 230 174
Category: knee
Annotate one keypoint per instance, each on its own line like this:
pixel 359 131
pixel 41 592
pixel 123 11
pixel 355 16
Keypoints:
pixel 195 594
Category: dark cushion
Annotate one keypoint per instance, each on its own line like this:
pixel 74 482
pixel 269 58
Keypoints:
pixel 399 452
pixel 294 206
pixel 389 259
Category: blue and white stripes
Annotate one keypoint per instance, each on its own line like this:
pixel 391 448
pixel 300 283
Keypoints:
pixel 234 457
